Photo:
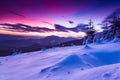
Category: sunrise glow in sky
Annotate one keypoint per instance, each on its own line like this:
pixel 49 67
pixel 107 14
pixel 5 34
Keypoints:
pixel 47 13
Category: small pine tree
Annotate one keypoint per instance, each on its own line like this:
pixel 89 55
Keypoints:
pixel 90 33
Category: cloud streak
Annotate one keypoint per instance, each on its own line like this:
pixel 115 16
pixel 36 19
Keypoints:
pixel 24 28
pixel 27 30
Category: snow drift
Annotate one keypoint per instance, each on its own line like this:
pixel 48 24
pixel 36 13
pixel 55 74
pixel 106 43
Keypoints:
pixel 99 62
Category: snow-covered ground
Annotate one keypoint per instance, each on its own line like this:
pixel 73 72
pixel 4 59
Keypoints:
pixel 99 62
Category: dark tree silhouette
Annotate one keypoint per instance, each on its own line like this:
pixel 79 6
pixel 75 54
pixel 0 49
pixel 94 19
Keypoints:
pixel 89 38
pixel 113 28
pixel 90 33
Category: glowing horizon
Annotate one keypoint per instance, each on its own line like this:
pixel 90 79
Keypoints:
pixel 60 34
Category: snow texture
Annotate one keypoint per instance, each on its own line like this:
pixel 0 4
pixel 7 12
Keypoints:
pixel 99 62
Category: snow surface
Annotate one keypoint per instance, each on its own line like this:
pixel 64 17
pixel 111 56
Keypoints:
pixel 99 62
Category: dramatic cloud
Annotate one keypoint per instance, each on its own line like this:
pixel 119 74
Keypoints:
pixel 27 28
pixel 46 13
pixel 22 29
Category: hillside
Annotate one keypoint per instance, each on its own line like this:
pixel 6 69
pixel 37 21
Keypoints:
pixel 98 62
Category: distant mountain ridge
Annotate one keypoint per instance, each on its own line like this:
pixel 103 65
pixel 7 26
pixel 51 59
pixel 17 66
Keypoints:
pixel 27 44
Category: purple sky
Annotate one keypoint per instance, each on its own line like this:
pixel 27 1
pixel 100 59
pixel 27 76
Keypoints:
pixel 46 13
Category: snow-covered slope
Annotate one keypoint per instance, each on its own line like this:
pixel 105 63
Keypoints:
pixel 99 62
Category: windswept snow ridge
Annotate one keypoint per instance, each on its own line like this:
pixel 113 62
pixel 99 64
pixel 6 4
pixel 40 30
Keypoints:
pixel 99 62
